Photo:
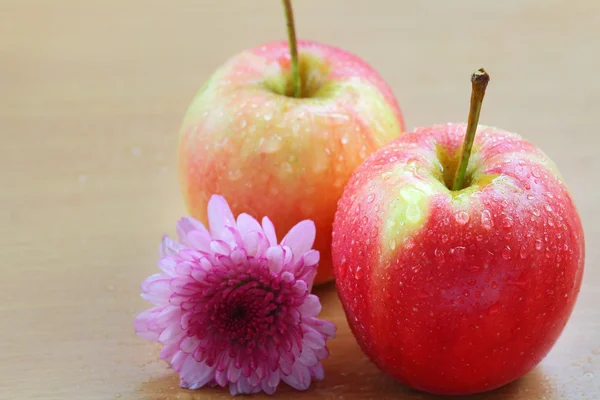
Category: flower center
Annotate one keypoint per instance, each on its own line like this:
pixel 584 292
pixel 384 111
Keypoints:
pixel 245 312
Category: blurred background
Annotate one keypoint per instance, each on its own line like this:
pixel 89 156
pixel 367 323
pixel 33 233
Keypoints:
pixel 92 94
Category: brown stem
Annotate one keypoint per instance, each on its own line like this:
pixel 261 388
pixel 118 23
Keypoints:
pixel 479 82
pixel 291 29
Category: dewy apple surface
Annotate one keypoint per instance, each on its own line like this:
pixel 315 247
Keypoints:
pixel 457 291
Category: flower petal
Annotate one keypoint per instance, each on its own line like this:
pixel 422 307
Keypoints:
pixel 242 386
pixel 311 306
pixel 238 256
pixel 269 230
pixel 156 289
pixel 317 372
pixel 178 360
pixel 220 247
pixel 308 357
pixel 274 378
pixel 313 339
pixel 324 327
pixel 299 379
pixel 221 378
pixel 141 324
pixel 300 238
pixel 311 258
pixel 246 224
pixel 186 225
pixel 172 333
pixel 189 344
pixel 233 373
pixel 194 374
pixel 219 218
pixel 168 351
pixel 169 247
pixel 275 255
pixel 167 264
pixel 306 267
pixel 267 388
pixel 199 240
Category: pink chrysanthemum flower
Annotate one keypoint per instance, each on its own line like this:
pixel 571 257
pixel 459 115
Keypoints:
pixel 233 307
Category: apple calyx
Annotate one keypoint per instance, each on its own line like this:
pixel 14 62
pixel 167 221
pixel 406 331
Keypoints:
pixel 479 82
pixel 291 30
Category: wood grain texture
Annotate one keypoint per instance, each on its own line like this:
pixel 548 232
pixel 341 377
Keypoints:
pixel 92 94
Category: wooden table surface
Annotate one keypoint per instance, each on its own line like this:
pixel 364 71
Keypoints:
pixel 91 97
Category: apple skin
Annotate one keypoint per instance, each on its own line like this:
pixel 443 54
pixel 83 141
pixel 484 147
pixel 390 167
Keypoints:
pixel 286 158
pixel 457 292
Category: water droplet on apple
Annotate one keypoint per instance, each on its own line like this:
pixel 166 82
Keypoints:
pixel 486 220
pixel 466 293
pixel 493 309
pixel 444 238
pixel 461 217
pixel 523 252
pixel 538 244
pixel 458 252
pixel 234 175
pixel 345 139
pixel 471 282
pixel 243 123
pixel 267 117
pixel 359 274
pixel 409 243
pixel 494 284
pixel 362 152
pixel 287 168
pixel 535 212
pixel 413 213
pixel 550 222
pixel 272 144
pixel 530 197
pixel 506 253
pixel 371 198
pixel 507 223
pixel 535 173
pixel 393 159
pixel 479 238
pixel 548 208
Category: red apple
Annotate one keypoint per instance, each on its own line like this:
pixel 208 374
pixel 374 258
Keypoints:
pixel 457 291
pixel 247 137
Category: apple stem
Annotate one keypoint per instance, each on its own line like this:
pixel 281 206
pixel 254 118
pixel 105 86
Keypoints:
pixel 289 19
pixel 479 82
